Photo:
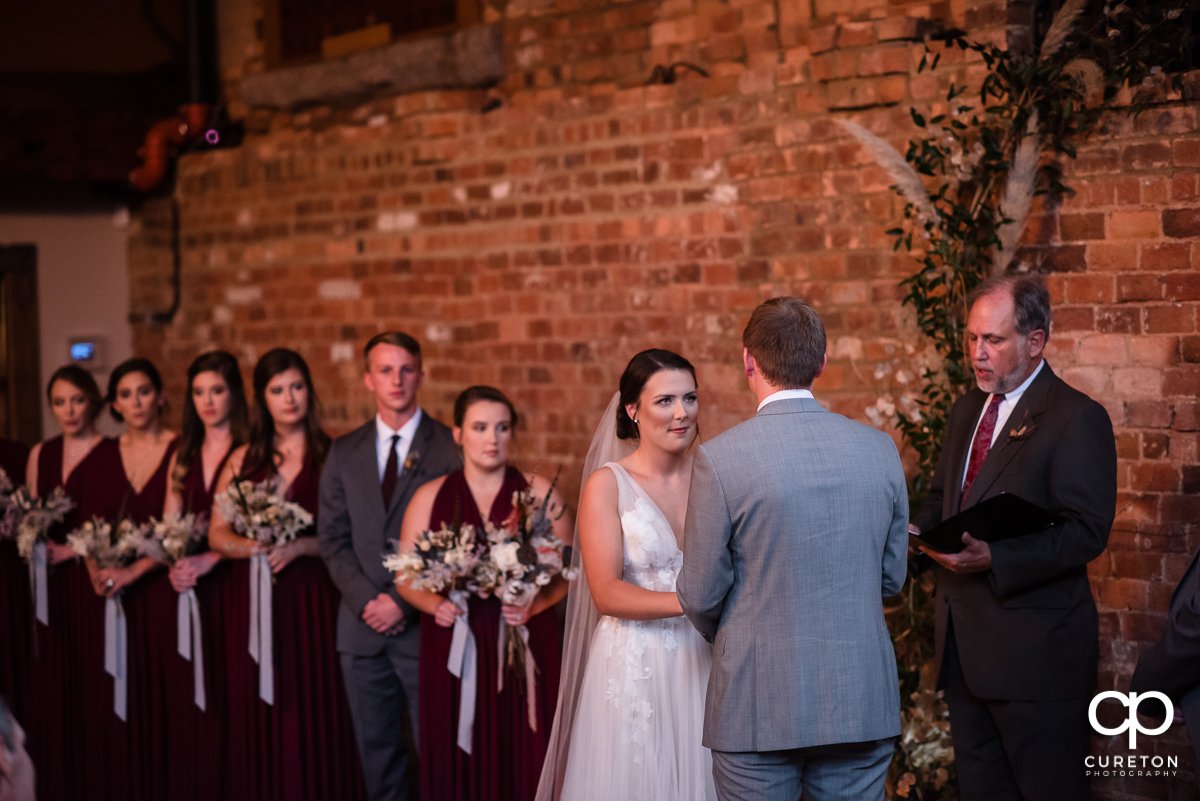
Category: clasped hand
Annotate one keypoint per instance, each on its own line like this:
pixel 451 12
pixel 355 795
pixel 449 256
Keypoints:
pixel 384 615
pixel 188 571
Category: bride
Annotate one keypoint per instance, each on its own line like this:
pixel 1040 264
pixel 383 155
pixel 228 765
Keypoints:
pixel 631 703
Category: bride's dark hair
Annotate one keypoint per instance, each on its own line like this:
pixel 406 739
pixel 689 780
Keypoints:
pixel 634 379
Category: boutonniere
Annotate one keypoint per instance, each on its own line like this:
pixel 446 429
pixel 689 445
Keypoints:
pixel 1023 431
pixel 411 460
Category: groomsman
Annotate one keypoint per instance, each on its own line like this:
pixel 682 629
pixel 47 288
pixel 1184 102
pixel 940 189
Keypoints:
pixel 368 479
pixel 1017 629
pixel 1172 665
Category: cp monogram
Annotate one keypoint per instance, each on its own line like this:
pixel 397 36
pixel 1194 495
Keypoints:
pixel 1132 724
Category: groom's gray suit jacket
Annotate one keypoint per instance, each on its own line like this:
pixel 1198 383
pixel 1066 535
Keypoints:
pixel 796 530
pixel 353 527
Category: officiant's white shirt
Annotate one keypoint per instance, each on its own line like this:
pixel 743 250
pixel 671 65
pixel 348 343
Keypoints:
pixel 383 441
pixel 784 394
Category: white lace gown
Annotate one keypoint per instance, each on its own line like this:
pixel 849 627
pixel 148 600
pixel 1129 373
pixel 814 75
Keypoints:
pixel 638 726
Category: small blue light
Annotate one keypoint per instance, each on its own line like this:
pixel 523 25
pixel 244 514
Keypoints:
pixel 83 351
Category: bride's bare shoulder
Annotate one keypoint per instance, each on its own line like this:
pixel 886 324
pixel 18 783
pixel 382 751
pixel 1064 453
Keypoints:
pixel 601 487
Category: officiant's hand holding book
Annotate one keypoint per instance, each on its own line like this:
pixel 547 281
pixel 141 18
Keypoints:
pixel 961 543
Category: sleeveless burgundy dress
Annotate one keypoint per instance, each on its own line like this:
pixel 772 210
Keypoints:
pixel 16 607
pixel 506 759
pixel 196 761
pixel 138 746
pixel 70 695
pixel 301 748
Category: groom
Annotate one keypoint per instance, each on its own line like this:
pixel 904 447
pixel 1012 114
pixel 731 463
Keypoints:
pixel 796 530
pixel 369 476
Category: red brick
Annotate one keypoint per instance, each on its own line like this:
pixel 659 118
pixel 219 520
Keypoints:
pixel 1173 318
pixel 1166 256
pixel 1124 593
pixel 1134 224
pixel 1146 156
pixel 1079 227
pixel 1184 380
pixel 1183 286
pixel 1090 289
pixel 1139 286
pixel 1074 319
pixel 1186 152
pixel 1181 223
pixel 1148 414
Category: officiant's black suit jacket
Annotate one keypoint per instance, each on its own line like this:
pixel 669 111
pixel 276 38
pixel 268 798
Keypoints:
pixel 1027 629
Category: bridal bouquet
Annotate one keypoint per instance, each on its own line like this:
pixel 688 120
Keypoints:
pixel 257 512
pixel 108 545
pixel 169 539
pixel 443 560
pixel 31 518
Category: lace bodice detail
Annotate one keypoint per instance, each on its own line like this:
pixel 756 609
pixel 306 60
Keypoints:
pixel 652 555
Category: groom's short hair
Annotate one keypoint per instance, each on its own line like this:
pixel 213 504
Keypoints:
pixel 787 340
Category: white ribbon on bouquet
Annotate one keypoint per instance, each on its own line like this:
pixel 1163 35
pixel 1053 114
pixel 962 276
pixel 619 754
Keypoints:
pixel 464 668
pixel 116 647
pixel 261 635
pixel 37 581
pixel 189 642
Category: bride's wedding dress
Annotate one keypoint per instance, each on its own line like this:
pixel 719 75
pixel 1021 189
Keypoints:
pixel 637 728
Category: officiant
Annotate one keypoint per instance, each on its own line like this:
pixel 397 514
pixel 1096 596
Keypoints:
pixel 1017 628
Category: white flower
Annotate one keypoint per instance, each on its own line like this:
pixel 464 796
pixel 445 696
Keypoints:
pixel 504 555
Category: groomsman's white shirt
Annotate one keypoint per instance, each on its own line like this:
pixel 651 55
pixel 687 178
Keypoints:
pixel 1002 412
pixel 784 394
pixel 383 441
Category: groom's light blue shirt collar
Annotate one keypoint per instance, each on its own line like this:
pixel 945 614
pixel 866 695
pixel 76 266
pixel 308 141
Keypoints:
pixel 784 394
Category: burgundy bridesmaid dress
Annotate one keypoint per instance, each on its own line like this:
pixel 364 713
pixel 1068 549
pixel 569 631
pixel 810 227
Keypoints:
pixel 70 695
pixel 506 757
pixel 196 760
pixel 301 748
pixel 139 746
pixel 16 607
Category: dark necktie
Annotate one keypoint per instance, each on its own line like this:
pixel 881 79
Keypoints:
pixel 391 472
pixel 981 445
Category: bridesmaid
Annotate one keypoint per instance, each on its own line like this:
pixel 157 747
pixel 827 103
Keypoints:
pixel 67 695
pixel 215 421
pixel 15 608
pixel 138 746
pixel 505 762
pixel 302 747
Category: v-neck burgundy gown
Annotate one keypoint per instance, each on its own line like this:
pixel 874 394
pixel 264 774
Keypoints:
pixel 196 762
pixel 302 748
pixel 506 757
pixel 70 695
pixel 138 746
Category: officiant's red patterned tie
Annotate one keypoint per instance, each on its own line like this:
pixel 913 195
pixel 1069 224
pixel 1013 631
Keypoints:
pixel 391 472
pixel 981 445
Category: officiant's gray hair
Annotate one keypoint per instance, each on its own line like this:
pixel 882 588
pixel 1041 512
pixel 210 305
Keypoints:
pixel 787 340
pixel 1031 301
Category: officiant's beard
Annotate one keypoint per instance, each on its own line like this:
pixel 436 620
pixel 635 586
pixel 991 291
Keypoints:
pixel 991 382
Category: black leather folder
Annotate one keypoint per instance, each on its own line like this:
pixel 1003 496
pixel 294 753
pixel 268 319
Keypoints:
pixel 998 518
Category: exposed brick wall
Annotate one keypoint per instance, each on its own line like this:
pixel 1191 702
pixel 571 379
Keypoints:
pixel 538 246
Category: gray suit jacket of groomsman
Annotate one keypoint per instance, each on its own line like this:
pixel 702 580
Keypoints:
pixel 353 528
pixel 796 530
